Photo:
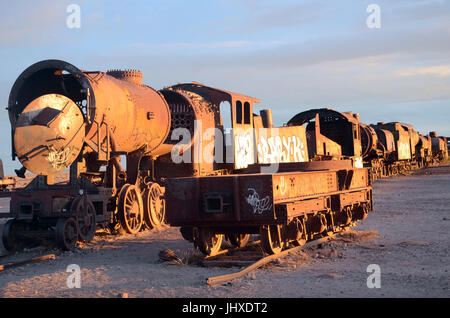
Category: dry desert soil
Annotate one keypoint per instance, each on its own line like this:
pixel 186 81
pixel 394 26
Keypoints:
pixel 407 236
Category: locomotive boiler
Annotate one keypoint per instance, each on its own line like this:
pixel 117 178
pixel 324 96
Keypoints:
pixel 63 118
pixel 55 109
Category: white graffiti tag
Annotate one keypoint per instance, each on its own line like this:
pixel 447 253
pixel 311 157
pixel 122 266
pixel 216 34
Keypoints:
pixel 258 205
pixel 243 150
pixel 281 149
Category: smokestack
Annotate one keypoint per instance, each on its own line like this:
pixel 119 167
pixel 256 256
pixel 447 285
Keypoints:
pixel 266 115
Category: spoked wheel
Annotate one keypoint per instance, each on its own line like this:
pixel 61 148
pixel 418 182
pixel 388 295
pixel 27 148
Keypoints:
pixel 347 216
pixel 239 240
pixel 271 239
pixel 298 227
pixel 361 212
pixel 66 233
pixel 130 209
pixel 84 212
pixel 10 239
pixel 207 242
pixel 154 206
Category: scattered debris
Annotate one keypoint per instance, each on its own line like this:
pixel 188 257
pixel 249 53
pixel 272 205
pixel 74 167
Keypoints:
pixel 168 255
pixel 28 261
pixel 357 236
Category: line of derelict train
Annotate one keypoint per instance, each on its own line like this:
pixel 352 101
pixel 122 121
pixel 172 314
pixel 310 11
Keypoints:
pixel 307 179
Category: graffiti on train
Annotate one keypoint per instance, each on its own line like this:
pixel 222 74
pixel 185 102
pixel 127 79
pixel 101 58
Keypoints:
pixel 281 145
pixel 243 150
pixel 259 205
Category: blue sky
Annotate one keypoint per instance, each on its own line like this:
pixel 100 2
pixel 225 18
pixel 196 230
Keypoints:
pixel 293 55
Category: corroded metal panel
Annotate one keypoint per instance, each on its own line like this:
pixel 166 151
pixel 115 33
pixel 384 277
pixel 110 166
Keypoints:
pixel 281 145
pixel 291 186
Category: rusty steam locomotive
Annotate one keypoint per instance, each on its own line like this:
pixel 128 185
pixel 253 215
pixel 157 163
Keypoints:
pixel 288 184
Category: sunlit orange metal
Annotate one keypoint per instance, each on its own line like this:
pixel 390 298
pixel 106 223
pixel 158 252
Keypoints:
pixel 110 112
pixel 49 134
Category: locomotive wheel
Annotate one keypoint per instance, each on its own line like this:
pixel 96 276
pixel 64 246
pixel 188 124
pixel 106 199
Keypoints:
pixel 9 236
pixel 361 212
pixel 239 240
pixel 130 209
pixel 300 238
pixel 207 242
pixel 66 233
pixel 345 217
pixel 115 228
pixel 85 217
pixel 271 240
pixel 154 206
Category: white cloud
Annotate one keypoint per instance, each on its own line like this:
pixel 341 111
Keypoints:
pixel 438 70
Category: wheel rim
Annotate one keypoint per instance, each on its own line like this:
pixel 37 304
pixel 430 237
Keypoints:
pixel 85 217
pixel 9 238
pixel 239 240
pixel 154 209
pixel 300 241
pixel 130 209
pixel 364 211
pixel 270 241
pixel 208 242
pixel 66 233
pixel 345 216
pixel 348 213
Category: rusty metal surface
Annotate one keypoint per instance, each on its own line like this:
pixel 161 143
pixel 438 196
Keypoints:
pixel 119 114
pixel 281 145
pixel 369 142
pixel 331 134
pixel 251 199
pixel 49 134
pixel 402 139
pixel 28 261
pixel 439 146
pixel 207 102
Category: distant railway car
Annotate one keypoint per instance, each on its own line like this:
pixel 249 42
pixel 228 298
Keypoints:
pixel 378 148
pixel 405 140
pixel 424 151
pixel 5 182
pixel 439 146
